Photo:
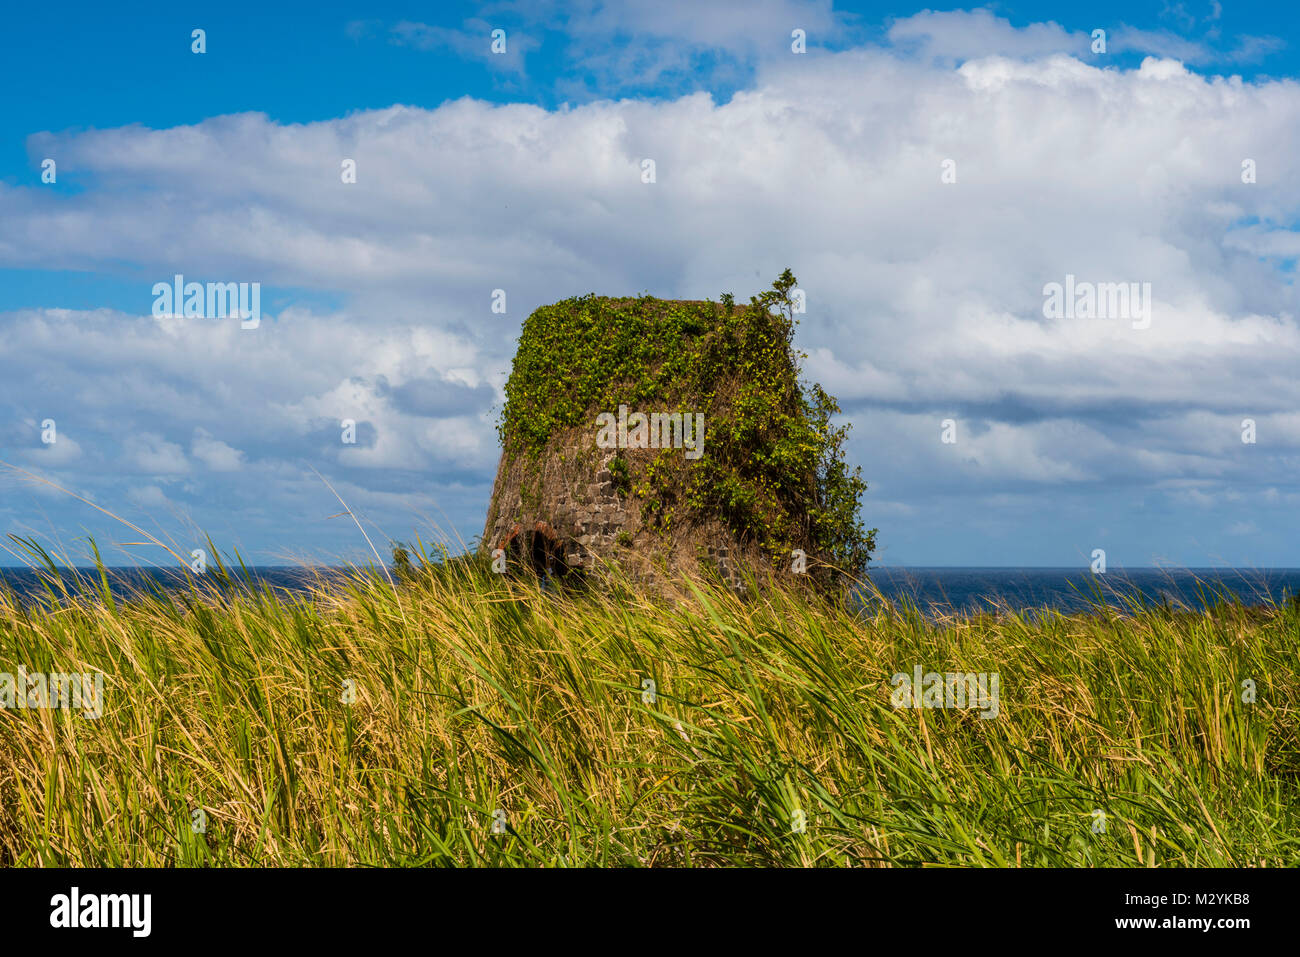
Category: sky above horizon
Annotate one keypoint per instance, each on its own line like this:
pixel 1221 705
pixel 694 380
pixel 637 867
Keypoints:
pixel 924 173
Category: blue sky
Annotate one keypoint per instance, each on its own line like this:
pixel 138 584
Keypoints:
pixel 521 171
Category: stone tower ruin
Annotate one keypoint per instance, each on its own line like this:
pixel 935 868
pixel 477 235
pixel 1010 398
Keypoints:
pixel 660 435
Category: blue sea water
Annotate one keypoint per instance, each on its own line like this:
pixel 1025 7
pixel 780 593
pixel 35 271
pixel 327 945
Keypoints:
pixel 125 582
pixel 929 588
pixel 1074 589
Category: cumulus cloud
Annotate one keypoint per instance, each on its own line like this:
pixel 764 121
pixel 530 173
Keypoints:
pixel 962 34
pixel 148 497
pixel 63 451
pixel 150 453
pixel 925 296
pixel 974 34
pixel 214 453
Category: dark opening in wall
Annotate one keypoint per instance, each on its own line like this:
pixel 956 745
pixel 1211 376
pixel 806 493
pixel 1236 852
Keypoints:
pixel 548 554
pixel 540 549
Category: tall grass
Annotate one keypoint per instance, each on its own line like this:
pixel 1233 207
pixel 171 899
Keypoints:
pixel 475 693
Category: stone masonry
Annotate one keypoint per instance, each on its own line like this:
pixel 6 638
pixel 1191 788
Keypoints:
pixel 580 527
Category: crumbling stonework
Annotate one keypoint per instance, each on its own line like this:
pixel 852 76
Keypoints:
pixel 718 558
pixel 578 527
pixel 585 525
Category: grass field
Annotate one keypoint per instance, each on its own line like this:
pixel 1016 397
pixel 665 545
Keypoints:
pixel 475 694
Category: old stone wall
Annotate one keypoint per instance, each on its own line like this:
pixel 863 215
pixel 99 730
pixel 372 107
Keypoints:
pixel 582 522
pixel 565 511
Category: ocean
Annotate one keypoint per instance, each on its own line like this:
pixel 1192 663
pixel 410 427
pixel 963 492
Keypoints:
pixel 1073 589
pixel 929 588
pixel 123 582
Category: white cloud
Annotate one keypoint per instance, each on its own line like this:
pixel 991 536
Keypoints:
pixel 962 34
pixel 925 298
pixel 148 496
pixel 214 453
pixel 150 453
pixel 63 451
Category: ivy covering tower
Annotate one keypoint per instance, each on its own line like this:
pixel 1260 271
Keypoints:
pixel 658 432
